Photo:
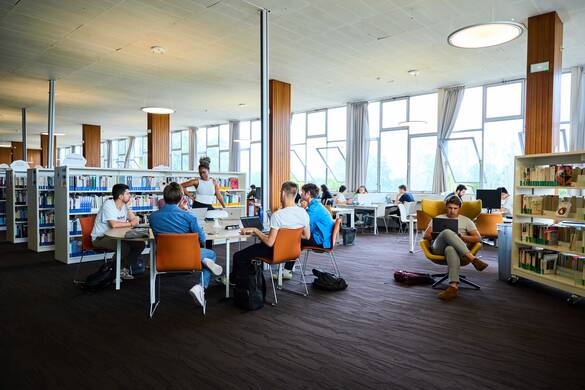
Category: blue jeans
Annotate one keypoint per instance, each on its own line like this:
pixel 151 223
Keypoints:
pixel 206 255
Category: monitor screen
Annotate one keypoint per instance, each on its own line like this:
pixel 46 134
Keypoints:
pixel 490 199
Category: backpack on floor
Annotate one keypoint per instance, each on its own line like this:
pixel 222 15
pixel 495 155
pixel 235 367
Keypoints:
pixel 412 278
pixel 327 281
pixel 250 289
pixel 101 278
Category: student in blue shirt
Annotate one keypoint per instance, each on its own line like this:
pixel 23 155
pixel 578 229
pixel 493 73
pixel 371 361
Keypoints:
pixel 403 195
pixel 170 219
pixel 320 222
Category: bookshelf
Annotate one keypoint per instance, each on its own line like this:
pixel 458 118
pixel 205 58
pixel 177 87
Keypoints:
pixel 81 191
pixel 2 200
pixel 16 206
pixel 41 209
pixel 542 183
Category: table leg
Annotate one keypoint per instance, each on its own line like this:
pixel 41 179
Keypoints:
pixel 118 262
pixel 227 268
pixel 411 234
pixel 352 220
pixel 152 274
pixel 375 223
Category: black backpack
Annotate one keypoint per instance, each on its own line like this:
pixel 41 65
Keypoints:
pixel 250 289
pixel 327 281
pixel 101 278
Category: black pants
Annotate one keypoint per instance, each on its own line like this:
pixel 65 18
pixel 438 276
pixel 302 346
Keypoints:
pixel 310 242
pixel 246 255
pixel 199 205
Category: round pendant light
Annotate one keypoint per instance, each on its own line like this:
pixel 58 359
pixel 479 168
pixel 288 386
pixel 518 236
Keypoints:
pixel 158 110
pixel 485 34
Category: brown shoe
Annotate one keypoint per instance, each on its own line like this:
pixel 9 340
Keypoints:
pixel 449 294
pixel 479 265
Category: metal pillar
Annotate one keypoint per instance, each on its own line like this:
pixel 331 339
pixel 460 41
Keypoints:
pixel 23 114
pixel 264 114
pixel 51 124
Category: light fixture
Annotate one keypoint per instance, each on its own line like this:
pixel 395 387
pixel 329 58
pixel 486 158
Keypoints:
pixel 55 134
pixel 3 145
pixel 485 34
pixel 242 105
pixel 414 72
pixel 158 50
pixel 158 110
pixel 412 123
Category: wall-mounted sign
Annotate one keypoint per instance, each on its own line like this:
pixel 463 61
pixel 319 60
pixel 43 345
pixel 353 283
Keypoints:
pixel 540 67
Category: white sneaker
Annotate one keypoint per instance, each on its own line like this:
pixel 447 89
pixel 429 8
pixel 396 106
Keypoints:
pixel 125 274
pixel 286 275
pixel 198 294
pixel 215 269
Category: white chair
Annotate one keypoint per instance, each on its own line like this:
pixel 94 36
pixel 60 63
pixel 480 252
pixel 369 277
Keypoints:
pixel 402 217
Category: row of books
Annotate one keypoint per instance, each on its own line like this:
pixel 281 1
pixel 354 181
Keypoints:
pixel 45 182
pixel 552 175
pixel 565 236
pixel 144 202
pixel 91 182
pixel 21 231
pixel 232 199
pixel 46 200
pixel 74 226
pixel 543 262
pixel 20 197
pixel 141 183
pixel 3 181
pixel 46 218
pixel 20 214
pixel 2 220
pixel 47 237
pixel 20 181
pixel 552 205
pixel 136 183
pixel 89 203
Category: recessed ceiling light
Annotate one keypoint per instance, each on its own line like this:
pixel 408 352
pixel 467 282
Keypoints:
pixel 158 49
pixel 414 72
pixel 485 34
pixel 55 134
pixel 158 110
pixel 4 145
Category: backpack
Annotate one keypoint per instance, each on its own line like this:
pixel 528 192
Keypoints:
pixel 250 289
pixel 413 278
pixel 101 278
pixel 327 281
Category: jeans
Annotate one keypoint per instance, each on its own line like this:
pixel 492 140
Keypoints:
pixel 449 244
pixel 246 255
pixel 207 255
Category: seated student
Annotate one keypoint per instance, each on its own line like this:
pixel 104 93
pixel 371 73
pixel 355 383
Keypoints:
pixel 459 192
pixel 361 190
pixel 170 219
pixel 507 205
pixel 326 197
pixel 454 245
pixel 320 222
pixel 340 198
pixel 114 213
pixel 403 195
pixel 290 216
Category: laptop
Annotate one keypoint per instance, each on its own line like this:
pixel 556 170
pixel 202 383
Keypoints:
pixel 253 222
pixel 440 224
pixel 199 213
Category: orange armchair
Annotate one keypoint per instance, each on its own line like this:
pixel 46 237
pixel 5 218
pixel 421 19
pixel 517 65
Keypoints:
pixel 487 225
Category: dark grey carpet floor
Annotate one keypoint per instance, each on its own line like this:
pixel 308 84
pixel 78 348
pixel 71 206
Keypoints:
pixel 376 334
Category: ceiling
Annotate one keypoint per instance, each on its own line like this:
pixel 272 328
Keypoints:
pixel 331 51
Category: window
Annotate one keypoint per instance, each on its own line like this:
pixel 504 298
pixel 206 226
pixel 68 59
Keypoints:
pixel 139 153
pixel 318 147
pixel 119 149
pixel 214 142
pixel 501 145
pixel 180 150
pixel 250 153
pixel 565 124
pixel 104 155
pixel 504 100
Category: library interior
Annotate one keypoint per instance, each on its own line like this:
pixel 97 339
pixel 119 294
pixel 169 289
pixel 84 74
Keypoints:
pixel 361 194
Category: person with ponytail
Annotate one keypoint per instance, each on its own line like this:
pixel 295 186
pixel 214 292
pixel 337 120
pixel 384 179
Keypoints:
pixel 207 189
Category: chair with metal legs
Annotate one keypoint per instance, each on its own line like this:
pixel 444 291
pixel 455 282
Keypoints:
pixel 287 247
pixel 86 244
pixel 329 251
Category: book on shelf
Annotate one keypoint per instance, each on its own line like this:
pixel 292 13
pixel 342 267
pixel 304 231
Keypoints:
pixel 561 175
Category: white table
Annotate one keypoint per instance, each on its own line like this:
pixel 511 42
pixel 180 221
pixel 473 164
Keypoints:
pixel 345 211
pixel 379 210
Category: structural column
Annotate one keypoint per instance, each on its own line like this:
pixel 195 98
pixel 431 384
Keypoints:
pixel 543 83
pixel 158 139
pixel 16 150
pixel 5 155
pixel 279 138
pixel 45 150
pixel 91 144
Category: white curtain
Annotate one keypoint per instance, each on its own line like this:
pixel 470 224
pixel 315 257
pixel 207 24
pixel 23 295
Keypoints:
pixel 234 146
pixel 577 109
pixel 449 103
pixel 356 166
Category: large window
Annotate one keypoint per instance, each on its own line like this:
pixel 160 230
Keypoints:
pixel 318 147
pixel 180 150
pixel 565 125
pixel 250 150
pixel 104 154
pixel 214 142
pixel 403 142
pixel 119 149
pixel 139 153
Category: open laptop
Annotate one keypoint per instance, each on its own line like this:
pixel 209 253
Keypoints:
pixel 253 222
pixel 199 213
pixel 440 224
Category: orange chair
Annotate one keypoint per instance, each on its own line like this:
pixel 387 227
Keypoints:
pixel 287 247
pixel 329 251
pixel 174 253
pixel 487 225
pixel 86 243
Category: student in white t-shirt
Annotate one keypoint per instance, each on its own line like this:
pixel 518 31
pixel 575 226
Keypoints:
pixel 115 213
pixel 290 216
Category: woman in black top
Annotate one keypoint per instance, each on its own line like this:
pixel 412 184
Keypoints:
pixel 326 197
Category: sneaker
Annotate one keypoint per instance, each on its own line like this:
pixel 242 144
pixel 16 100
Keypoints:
pixel 215 269
pixel 198 294
pixel 479 265
pixel 223 280
pixel 449 294
pixel 125 274
pixel 286 275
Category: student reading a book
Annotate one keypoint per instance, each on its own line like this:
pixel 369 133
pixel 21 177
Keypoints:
pixel 116 213
pixel 454 245
pixel 507 206
pixel 459 192
pixel 207 188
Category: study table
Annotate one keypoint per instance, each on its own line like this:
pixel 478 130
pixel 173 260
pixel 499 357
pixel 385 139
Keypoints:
pixel 378 209
pixel 345 211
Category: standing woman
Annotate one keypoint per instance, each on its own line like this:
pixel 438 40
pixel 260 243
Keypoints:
pixel 207 188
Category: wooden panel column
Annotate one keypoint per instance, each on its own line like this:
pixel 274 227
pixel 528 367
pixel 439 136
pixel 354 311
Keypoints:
pixel 45 150
pixel 33 157
pixel 91 144
pixel 279 148
pixel 159 134
pixel 5 155
pixel 16 150
pixel 543 88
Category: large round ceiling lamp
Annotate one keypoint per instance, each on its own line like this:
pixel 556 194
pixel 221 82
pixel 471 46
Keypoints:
pixel 485 34
pixel 158 110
